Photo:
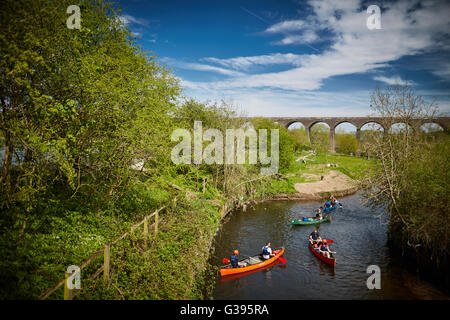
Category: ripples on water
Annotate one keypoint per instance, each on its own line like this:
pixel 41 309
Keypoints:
pixel 359 239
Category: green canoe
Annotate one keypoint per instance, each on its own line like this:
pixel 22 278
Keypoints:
pixel 301 222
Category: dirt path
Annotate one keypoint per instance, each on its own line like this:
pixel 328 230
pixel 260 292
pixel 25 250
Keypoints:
pixel 333 182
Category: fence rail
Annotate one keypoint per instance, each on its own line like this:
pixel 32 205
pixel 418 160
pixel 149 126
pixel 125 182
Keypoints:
pixel 69 292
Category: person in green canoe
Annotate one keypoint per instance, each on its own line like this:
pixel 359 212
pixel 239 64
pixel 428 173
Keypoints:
pixel 319 214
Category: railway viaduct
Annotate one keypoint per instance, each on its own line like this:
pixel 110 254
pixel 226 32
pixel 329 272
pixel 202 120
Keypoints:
pixel 358 122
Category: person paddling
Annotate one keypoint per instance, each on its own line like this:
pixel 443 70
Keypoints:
pixel 234 260
pixel 319 214
pixel 314 237
pixel 324 249
pixel 335 201
pixel 267 251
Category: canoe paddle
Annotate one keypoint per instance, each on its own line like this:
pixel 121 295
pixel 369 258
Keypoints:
pixel 282 259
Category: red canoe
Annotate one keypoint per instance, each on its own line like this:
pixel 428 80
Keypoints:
pixel 330 261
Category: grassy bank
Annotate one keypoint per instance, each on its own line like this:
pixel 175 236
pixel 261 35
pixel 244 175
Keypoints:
pixel 173 264
pixel 315 167
pixel 169 265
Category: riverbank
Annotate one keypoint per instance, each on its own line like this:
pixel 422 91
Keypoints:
pixel 193 222
pixel 334 183
pixel 161 266
pixel 321 176
pixel 419 259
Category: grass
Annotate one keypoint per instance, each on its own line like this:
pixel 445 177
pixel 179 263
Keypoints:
pixel 172 264
pixel 316 166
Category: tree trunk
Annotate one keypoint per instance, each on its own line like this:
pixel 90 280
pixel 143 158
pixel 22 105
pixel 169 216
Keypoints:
pixel 6 174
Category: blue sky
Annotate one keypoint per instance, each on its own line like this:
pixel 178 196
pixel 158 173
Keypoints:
pixel 297 58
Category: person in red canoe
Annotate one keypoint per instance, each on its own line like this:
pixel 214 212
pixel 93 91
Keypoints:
pixel 234 260
pixel 324 249
pixel 314 237
pixel 267 252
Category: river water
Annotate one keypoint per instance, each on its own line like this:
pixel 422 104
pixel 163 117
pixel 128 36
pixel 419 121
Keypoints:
pixel 360 240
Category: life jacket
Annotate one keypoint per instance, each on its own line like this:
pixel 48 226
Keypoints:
pixel 234 261
pixel 315 236
pixel 266 252
pixel 324 247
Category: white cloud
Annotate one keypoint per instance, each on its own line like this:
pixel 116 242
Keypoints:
pixel 128 19
pixel 306 37
pixel 287 26
pixel 442 70
pixel 394 80
pixel 200 67
pixel 295 32
pixel 406 30
pixel 279 103
pixel 271 102
pixel 244 63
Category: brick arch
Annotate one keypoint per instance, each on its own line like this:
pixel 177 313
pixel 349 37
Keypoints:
pixel 287 124
pixel 310 125
pixel 413 125
pixel 433 122
pixel 345 121
pixel 372 121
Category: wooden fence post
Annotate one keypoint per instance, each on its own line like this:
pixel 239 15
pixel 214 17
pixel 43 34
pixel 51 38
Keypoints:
pixel 68 294
pixel 106 259
pixel 145 226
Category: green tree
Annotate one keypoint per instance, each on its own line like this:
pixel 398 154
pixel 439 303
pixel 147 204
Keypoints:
pixel 320 136
pixel 78 108
pixel 346 143
pixel 286 141
pixel 411 180
pixel 300 138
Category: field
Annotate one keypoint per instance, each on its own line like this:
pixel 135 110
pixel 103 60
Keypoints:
pixel 316 167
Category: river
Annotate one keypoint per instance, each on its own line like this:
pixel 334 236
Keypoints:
pixel 360 240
